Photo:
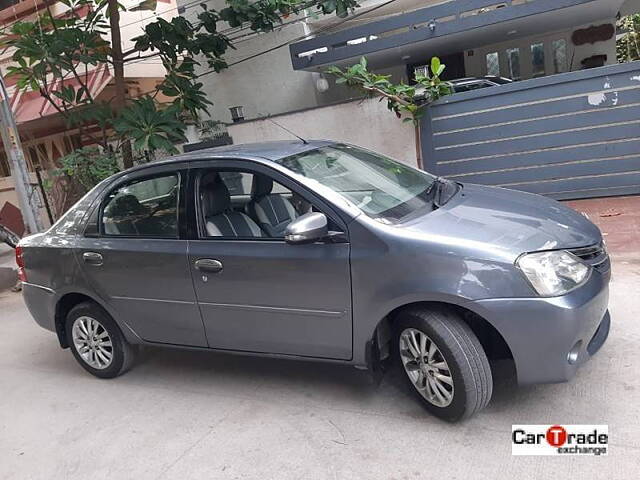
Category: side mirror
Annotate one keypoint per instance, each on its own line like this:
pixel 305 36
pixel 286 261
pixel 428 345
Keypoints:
pixel 307 228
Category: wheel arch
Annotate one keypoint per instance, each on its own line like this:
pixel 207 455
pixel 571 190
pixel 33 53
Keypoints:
pixel 69 300
pixel 494 344
pixel 63 307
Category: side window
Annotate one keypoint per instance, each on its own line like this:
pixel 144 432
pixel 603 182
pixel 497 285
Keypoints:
pixel 246 205
pixel 144 208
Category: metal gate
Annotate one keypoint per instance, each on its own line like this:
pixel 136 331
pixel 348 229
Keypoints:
pixel 572 135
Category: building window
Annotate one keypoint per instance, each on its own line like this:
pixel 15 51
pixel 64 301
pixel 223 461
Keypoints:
pixel 513 62
pixel 537 60
pixel 559 56
pixel 493 64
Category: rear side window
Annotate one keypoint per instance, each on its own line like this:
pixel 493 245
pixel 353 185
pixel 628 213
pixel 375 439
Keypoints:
pixel 143 208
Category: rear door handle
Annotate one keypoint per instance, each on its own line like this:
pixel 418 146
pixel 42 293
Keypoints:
pixel 92 258
pixel 209 265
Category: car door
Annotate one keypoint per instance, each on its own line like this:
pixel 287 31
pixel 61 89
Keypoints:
pixel 269 296
pixel 134 256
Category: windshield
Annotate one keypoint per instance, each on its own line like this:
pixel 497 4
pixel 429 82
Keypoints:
pixel 382 188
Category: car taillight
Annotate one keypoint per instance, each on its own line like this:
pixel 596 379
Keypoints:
pixel 22 274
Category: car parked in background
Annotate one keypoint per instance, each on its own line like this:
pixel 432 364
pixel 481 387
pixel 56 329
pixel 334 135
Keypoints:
pixel 475 83
pixel 467 84
pixel 323 251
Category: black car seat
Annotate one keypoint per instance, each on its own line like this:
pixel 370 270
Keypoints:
pixel 271 211
pixel 220 220
pixel 121 215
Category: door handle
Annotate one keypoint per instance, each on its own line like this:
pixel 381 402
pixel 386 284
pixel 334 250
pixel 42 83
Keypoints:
pixel 92 258
pixel 208 265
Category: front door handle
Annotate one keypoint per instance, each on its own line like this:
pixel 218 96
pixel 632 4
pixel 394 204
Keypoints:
pixel 208 265
pixel 92 258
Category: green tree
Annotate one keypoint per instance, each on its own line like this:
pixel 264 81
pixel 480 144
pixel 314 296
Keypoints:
pixel 408 102
pixel 49 50
pixel 628 44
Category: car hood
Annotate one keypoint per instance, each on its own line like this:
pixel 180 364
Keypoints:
pixel 505 221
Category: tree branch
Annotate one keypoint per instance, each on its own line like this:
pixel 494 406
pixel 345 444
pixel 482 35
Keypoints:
pixel 142 57
pixel 390 96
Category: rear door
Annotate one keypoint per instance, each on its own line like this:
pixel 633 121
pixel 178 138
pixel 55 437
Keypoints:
pixel 270 296
pixel 134 255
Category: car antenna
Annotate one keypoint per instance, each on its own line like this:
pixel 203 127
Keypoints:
pixel 287 130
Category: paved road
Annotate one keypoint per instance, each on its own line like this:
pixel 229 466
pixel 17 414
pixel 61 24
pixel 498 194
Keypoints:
pixel 198 415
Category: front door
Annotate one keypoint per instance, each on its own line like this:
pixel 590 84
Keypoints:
pixel 258 293
pixel 136 260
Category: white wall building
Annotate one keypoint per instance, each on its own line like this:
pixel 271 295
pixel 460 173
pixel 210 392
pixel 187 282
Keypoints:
pixel 520 39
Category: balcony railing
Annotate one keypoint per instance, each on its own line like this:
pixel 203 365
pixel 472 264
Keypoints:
pixel 416 26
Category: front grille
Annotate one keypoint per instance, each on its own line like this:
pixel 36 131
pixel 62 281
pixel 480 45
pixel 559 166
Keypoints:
pixel 595 255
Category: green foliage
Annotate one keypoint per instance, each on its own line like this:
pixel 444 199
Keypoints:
pixel 628 44
pixel 178 42
pixel 88 166
pixel 402 99
pixel 49 50
pixel 151 128
pixel 264 15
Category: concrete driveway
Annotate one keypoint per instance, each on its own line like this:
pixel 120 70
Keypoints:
pixel 182 414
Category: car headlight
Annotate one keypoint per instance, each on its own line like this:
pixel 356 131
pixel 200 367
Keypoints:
pixel 553 273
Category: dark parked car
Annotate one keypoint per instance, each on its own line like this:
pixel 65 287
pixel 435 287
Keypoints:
pixel 323 251
pixel 467 84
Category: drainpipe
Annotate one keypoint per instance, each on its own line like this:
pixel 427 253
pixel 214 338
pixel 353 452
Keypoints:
pixel 27 196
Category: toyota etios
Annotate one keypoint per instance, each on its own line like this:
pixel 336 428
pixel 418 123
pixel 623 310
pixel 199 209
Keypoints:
pixel 321 250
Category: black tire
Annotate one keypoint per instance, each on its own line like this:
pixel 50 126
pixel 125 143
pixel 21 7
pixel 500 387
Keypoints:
pixel 123 353
pixel 463 353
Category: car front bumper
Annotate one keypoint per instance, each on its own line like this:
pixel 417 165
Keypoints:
pixel 551 337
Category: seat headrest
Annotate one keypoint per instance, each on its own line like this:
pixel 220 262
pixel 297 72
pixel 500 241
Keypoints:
pixel 261 186
pixel 126 205
pixel 209 178
pixel 215 198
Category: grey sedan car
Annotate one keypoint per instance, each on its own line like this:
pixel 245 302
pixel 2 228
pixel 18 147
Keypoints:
pixel 325 251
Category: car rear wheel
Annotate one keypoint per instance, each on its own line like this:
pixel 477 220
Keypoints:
pixel 443 362
pixel 96 341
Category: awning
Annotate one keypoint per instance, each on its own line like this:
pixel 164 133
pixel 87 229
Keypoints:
pixel 31 105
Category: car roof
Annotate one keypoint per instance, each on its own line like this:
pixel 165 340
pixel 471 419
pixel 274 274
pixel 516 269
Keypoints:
pixel 270 151
pixel 273 150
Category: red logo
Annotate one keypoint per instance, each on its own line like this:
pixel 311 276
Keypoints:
pixel 556 436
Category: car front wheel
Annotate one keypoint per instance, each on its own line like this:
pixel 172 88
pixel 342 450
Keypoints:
pixel 443 362
pixel 96 341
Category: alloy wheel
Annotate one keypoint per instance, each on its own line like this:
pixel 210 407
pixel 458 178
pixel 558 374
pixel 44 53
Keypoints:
pixel 426 367
pixel 92 342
